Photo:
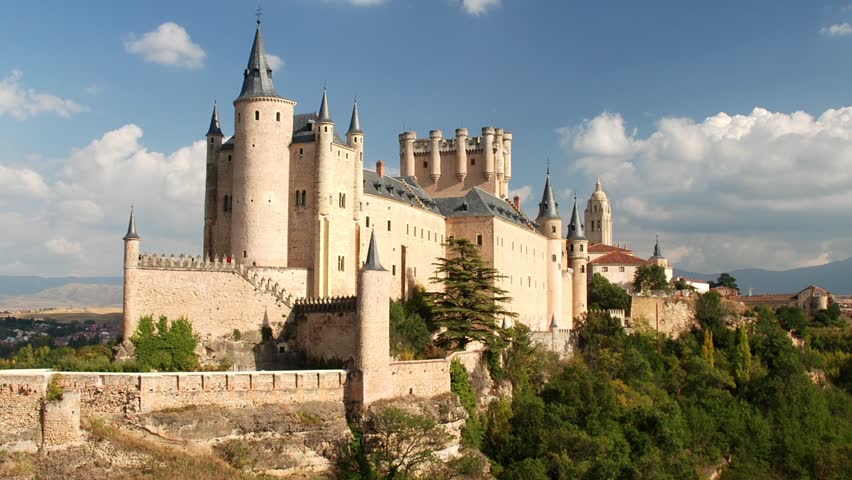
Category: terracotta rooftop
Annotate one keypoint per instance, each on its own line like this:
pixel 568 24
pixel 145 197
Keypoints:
pixel 604 248
pixel 619 258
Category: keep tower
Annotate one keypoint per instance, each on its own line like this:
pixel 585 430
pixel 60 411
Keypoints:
pixel 263 131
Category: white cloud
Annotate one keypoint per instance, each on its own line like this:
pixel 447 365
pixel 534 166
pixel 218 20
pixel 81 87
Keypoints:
pixel 766 189
pixel 21 181
pixel 21 103
pixel 837 30
pixel 479 7
pixel 88 201
pixel 61 246
pixel 525 193
pixel 169 44
pixel 275 62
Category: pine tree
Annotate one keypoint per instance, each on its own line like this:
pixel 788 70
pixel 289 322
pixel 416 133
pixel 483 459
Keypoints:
pixel 742 367
pixel 470 305
pixel 709 351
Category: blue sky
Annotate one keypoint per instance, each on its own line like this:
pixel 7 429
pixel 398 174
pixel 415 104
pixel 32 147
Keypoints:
pixel 628 91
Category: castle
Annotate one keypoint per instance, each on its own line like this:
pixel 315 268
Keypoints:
pixel 294 224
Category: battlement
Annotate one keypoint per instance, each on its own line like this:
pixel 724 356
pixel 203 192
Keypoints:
pixel 325 305
pixel 423 146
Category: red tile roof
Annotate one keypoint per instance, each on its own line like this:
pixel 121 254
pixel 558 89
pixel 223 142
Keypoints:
pixel 603 248
pixel 619 258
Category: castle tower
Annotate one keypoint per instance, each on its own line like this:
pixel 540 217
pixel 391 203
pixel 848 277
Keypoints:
pixel 374 380
pixel 261 177
pixel 550 225
pixel 214 142
pixel 355 137
pixel 598 217
pixel 507 160
pixel 131 263
pixel 324 197
pixel 488 150
pixel 578 256
pixel 658 258
pixel 435 137
pixel 406 154
pixel 499 164
pixel 461 154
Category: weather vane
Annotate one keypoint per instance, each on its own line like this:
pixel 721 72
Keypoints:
pixel 548 165
pixel 259 13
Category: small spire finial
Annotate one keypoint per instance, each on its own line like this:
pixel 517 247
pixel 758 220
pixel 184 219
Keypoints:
pixel 548 165
pixel 259 13
pixel 131 227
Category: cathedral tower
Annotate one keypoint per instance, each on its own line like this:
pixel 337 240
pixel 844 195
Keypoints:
pixel 263 131
pixel 550 225
pixel 599 217
pixel 214 142
pixel 578 255
pixel 658 258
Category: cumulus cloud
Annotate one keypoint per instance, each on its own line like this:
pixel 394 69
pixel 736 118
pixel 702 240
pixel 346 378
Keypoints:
pixel 275 62
pixel 84 206
pixel 168 44
pixel 479 7
pixel 732 190
pixel 20 103
pixel 837 30
pixel 61 246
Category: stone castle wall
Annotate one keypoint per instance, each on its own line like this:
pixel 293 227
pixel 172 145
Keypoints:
pixel 22 397
pixel 666 314
pixel 325 331
pixel 216 302
pixel 421 378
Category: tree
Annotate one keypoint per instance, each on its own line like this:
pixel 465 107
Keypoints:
pixel 742 364
pixel 603 295
pixel 165 347
pixel 708 351
pixel 726 280
pixel 409 336
pixel 649 278
pixel 400 442
pixel 470 304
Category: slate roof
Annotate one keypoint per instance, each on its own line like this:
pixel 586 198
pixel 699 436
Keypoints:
pixel 257 77
pixel 479 203
pixel 604 248
pixel 214 128
pixel 619 258
pixel 302 133
pixel 398 189
pixel 548 208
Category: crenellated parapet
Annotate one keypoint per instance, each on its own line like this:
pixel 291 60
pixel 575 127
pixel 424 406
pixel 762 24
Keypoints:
pixel 325 305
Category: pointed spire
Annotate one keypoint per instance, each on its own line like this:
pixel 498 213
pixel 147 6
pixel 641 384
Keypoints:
pixel 548 208
pixel 355 122
pixel 257 77
pixel 657 251
pixel 598 186
pixel 372 262
pixel 324 115
pixel 575 228
pixel 554 325
pixel 214 122
pixel 131 227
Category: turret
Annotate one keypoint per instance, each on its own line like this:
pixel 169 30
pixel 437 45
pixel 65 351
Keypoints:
pixel 406 154
pixel 578 257
pixel 461 154
pixel 499 163
pixel 435 137
pixel 373 380
pixel 131 263
pixel 598 217
pixel 550 225
pixel 325 156
pixel 355 137
pixel 214 142
pixel 261 176
pixel 507 158
pixel 488 150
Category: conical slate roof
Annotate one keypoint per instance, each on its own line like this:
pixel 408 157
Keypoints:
pixel 372 262
pixel 575 228
pixel 214 123
pixel 355 121
pixel 131 227
pixel 257 78
pixel 324 115
pixel 548 208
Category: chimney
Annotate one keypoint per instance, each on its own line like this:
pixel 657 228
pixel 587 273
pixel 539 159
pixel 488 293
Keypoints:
pixel 380 168
pixel 517 202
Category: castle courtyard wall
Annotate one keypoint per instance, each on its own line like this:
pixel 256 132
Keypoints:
pixel 665 314
pixel 216 303
pixel 420 378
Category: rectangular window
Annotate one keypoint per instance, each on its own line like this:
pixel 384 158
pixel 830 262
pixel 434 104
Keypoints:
pixel 605 269
pixel 479 239
pixel 620 269
pixel 368 222
pixel 393 270
pixel 389 225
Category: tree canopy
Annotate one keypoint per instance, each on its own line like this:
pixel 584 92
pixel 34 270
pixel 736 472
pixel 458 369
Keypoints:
pixel 165 346
pixel 725 280
pixel 470 306
pixel 650 278
pixel 603 295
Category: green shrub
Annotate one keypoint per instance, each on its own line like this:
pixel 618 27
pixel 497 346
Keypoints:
pixel 165 347
pixel 54 390
pixel 461 386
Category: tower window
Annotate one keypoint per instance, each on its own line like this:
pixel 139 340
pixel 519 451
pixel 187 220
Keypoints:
pixel 257 114
pixel 572 248
pixel 368 222
pixel 211 139
pixel 393 270
pixel 325 129
pixel 239 117
pixel 473 161
pixel 389 225
pixel 553 229
pixel 277 116
pixel 553 258
pixel 479 239
pixel 301 151
pixel 341 264
pixel 582 269
pixel 581 247
pixel 229 158
pixel 425 164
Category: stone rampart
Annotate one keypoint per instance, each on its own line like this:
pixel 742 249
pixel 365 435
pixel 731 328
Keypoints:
pixel 325 331
pixel 420 378
pixel 671 315
pixel 22 396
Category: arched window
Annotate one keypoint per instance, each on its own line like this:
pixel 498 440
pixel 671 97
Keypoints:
pixel 257 114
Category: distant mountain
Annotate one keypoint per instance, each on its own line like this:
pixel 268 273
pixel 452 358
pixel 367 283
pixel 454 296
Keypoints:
pixel 836 277
pixel 21 285
pixel 68 295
